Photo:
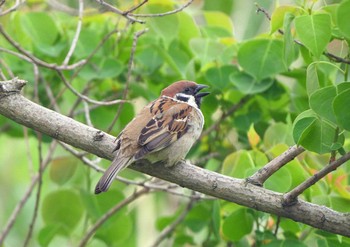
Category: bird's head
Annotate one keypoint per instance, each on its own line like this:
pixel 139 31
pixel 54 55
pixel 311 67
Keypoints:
pixel 187 91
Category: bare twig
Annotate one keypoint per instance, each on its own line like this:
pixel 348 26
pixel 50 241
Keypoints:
pixel 26 196
pixel 226 114
pixel 111 212
pixel 132 9
pixel 85 98
pixel 13 8
pixel 290 198
pixel 165 13
pixel 38 194
pixel 130 65
pixel 119 12
pixel 274 165
pixel 168 187
pixel 170 228
pixel 76 35
pixel 5 66
pixel 36 60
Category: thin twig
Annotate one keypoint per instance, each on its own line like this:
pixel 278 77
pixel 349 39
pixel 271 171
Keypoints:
pixel 130 66
pixel 76 35
pixel 170 228
pixel 119 12
pixel 85 98
pixel 274 165
pixel 165 13
pixel 168 188
pixel 111 212
pixel 13 8
pixel 290 198
pixel 132 9
pixel 38 194
pixel 224 115
pixel 26 196
pixel 36 60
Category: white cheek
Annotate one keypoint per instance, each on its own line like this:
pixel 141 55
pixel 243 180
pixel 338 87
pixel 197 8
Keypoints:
pixel 192 101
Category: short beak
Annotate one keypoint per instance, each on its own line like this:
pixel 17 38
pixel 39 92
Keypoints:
pixel 198 88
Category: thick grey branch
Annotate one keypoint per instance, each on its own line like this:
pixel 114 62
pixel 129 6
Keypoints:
pixel 25 112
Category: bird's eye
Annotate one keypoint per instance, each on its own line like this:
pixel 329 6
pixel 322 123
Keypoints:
pixel 187 90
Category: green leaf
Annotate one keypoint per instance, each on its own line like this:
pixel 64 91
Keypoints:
pixel 216 218
pixel 47 233
pixel 321 74
pixel 321 102
pixel 219 19
pixel 237 225
pixel 343 18
pixel 199 216
pixel 166 27
pixel 280 181
pixel 341 105
pixel 262 58
pixel 315 134
pixel 109 68
pixel 278 133
pixel 279 14
pixel 219 77
pixel 188 28
pixel 314 32
pixel 247 84
pixel 62 207
pixel 206 50
pixel 62 169
pixel 239 164
pixel 289 44
pixel 40 27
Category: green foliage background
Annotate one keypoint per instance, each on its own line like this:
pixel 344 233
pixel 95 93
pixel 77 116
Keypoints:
pixel 293 94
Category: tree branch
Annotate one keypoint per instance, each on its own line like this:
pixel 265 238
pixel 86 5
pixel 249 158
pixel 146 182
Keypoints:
pixel 23 111
pixel 291 197
pixel 274 165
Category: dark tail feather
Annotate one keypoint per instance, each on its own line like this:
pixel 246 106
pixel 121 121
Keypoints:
pixel 106 180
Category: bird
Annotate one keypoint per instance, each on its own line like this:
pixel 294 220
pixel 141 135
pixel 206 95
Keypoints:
pixel 163 131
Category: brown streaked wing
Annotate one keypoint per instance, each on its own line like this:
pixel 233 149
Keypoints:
pixel 169 123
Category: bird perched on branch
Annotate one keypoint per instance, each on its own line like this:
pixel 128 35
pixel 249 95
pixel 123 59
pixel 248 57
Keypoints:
pixel 164 130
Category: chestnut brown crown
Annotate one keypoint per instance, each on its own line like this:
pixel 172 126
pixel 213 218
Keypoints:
pixel 184 90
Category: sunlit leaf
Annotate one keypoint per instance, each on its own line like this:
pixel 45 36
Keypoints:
pixel 262 58
pixel 342 18
pixel 314 31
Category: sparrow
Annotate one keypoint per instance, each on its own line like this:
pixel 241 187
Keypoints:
pixel 163 131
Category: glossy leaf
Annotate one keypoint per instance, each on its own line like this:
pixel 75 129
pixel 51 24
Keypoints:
pixel 315 134
pixel 219 76
pixel 321 102
pixel 314 32
pixel 247 84
pixel 40 27
pixel 262 58
pixel 219 19
pixel 279 14
pixel 237 225
pixel 206 50
pixel 342 18
pixel 341 109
